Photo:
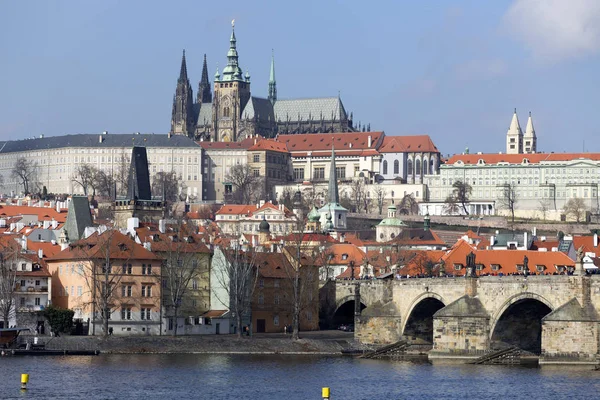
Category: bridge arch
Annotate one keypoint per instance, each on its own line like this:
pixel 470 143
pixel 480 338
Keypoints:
pixel 344 310
pixel 518 321
pixel 419 318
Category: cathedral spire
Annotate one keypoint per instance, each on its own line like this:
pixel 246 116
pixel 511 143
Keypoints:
pixel 183 71
pixel 272 83
pixel 204 93
pixel 529 139
pixel 334 196
pixel 232 71
pixel 514 136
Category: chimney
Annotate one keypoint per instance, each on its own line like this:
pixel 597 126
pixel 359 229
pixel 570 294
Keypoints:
pixel 148 246
pixel 595 239
pixel 100 139
pixel 24 243
pixel 534 231
pixel 162 226
pixel 525 235
pixel 54 224
pixel 46 224
pixel 40 254
pixel 369 141
pixel 492 240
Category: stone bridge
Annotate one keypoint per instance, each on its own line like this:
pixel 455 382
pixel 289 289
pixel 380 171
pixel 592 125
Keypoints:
pixel 553 316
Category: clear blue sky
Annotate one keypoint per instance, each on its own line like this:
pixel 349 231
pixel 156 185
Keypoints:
pixel 451 69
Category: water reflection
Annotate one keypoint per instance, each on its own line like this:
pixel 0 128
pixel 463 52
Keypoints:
pixel 158 376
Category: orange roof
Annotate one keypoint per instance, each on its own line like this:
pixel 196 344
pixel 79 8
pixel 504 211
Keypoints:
pixel 418 237
pixel 236 209
pixel 342 142
pixel 214 313
pixel 350 251
pixel 43 214
pixel 273 265
pixel 179 239
pixel 120 246
pixel 48 249
pixel 507 260
pixel 404 144
pixel 417 264
pixel 269 145
pixel 244 144
pixel 471 159
pixel 588 244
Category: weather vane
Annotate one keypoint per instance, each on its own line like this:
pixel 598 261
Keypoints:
pixel 233 23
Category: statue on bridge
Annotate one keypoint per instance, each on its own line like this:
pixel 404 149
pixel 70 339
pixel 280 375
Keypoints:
pixel 525 266
pixel 471 266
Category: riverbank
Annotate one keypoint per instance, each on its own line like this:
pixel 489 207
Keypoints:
pixel 317 343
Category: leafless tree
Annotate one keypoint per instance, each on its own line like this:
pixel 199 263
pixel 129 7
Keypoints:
pixel 303 277
pixel 169 184
pixel 576 208
pixel 236 274
pixel 121 173
pixel 244 183
pixel 8 276
pixel 451 207
pixel 104 184
pixel 544 208
pixel 379 194
pixel 25 172
pixel 461 194
pixel 103 260
pixel 1 181
pixel 408 204
pixel 508 199
pixel 84 175
pixel 358 194
pixel 186 263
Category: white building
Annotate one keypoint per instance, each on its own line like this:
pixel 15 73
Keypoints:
pixel 57 158
pixel 238 219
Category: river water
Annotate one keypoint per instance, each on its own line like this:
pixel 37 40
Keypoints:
pixel 280 377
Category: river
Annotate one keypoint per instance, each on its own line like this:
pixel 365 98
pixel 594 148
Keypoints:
pixel 254 377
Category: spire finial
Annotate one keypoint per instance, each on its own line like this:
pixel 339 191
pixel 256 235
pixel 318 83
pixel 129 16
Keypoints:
pixel 272 82
pixel 515 110
pixel 233 24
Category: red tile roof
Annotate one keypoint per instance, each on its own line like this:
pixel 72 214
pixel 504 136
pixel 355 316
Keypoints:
pixel 407 144
pixel 269 145
pixel 236 209
pixel 588 244
pixel 48 249
pixel 342 142
pixel 471 159
pixel 43 214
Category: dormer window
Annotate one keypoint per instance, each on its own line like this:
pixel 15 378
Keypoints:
pixel 480 162
pixel 540 268
pixel 519 267
pixel 496 267
pixel 458 267
pixel 344 256
pixel 525 161
pixel 122 246
pixel 480 267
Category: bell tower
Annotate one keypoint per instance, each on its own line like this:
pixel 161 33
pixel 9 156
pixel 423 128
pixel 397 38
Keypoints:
pixel 232 92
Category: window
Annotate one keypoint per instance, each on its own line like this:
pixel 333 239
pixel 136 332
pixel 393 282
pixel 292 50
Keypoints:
pixel 261 283
pixel 256 158
pixel 145 314
pixel 79 291
pixel 319 173
pixel 37 301
pixel 385 167
pixel 457 267
pixel 22 301
pixel 256 172
pixel 276 299
pixel 341 172
pixel 146 269
pixel 418 167
pixel 261 299
pixel 146 290
pixel 276 320
pixel 127 269
pixel 276 283
pixel 22 282
pixel 309 315
pixel 298 174
pixel 126 313
pixel 409 167
pixel 126 290
pixel 106 269
pixel 195 284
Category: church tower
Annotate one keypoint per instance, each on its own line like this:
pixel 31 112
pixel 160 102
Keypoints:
pixel 204 94
pixel 529 139
pixel 514 136
pixel 232 92
pixel 182 117
pixel 272 84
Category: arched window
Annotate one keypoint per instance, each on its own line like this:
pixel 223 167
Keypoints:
pixel 385 167
pixel 418 167
pixel 396 167
pixel 425 168
pixel 226 112
pixel 409 167
pixel 431 166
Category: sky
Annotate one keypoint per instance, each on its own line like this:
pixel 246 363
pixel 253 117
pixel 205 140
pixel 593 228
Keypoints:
pixel 452 69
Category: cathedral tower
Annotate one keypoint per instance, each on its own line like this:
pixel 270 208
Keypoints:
pixel 182 117
pixel 514 136
pixel 529 139
pixel 272 84
pixel 232 92
pixel 204 94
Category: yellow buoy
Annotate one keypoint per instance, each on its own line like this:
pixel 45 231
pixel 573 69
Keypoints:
pixel 325 392
pixel 24 381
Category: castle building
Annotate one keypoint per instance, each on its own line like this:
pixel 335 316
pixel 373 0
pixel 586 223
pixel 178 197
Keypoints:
pixel 232 113
pixel 516 141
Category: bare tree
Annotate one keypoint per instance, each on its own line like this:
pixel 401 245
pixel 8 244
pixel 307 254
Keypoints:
pixel 186 263
pixel 235 274
pixel 244 183
pixel 84 175
pixel 576 208
pixel 408 205
pixel 508 199
pixel 451 207
pixel 461 194
pixel 379 194
pixel 104 184
pixel 25 172
pixel 544 208
pixel 358 194
pixel 1 181
pixel 8 276
pixel 121 174
pixel 170 185
pixel 303 277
